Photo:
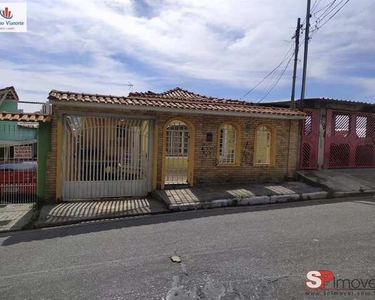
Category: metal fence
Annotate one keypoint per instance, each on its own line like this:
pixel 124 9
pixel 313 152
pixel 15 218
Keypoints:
pixel 18 162
pixel 309 140
pixel 350 140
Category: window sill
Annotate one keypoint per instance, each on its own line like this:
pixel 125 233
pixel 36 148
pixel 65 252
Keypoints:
pixel 263 165
pixel 229 165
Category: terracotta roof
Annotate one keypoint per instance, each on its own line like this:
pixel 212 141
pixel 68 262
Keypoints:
pixel 9 92
pixel 174 99
pixel 24 117
pixel 180 94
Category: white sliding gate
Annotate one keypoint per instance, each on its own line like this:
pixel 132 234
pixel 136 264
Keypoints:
pixel 106 157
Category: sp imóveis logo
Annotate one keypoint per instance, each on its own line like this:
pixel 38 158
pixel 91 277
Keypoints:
pixel 6 13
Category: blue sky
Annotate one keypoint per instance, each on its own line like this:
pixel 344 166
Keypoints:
pixel 213 47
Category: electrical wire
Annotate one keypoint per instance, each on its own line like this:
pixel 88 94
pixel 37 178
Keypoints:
pixel 326 8
pixel 330 11
pixel 278 79
pixel 363 10
pixel 272 73
pixel 318 27
pixel 315 5
pixel 269 74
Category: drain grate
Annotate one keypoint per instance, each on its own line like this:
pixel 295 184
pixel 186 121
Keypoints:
pixel 4 223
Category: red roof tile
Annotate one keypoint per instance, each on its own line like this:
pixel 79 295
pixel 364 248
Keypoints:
pixel 175 99
pixel 24 117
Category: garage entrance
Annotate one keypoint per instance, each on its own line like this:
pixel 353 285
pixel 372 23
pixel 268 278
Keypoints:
pixel 350 140
pixel 106 157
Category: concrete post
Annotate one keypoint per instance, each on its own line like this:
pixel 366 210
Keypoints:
pixel 44 146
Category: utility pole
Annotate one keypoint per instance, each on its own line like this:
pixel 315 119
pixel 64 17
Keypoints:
pixel 307 36
pixel 298 32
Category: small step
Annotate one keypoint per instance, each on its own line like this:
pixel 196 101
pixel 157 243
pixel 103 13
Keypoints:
pixel 176 186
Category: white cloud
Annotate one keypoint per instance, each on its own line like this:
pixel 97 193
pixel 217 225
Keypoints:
pixel 232 42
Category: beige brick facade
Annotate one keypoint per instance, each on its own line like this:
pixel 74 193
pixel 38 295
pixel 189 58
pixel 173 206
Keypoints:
pixel 206 170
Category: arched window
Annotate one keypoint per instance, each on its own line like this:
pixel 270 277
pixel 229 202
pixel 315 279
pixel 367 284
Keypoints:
pixel 228 144
pixel 263 146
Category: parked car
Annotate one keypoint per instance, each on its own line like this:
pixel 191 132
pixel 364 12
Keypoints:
pixel 18 178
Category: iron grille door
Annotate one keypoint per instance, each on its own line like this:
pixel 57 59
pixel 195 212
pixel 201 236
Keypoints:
pixel 177 150
pixel 106 157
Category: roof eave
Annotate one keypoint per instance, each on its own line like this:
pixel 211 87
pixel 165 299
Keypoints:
pixel 175 110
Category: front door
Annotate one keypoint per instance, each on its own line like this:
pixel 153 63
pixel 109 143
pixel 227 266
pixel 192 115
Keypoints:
pixel 177 153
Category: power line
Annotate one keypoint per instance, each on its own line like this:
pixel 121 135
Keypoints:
pixel 330 10
pixel 279 78
pixel 325 8
pixel 269 74
pixel 272 73
pixel 317 27
pixel 363 10
pixel 267 85
pixel 315 5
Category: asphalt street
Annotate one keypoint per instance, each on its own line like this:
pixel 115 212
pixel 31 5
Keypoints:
pixel 260 252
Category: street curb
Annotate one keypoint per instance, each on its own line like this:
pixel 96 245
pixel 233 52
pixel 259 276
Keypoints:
pixel 353 194
pixel 39 225
pixel 251 201
pixel 257 200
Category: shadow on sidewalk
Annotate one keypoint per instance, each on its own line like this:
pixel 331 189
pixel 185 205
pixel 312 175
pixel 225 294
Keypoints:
pixel 98 226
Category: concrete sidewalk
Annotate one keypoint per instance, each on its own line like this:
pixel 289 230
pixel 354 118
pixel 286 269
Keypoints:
pixel 15 216
pixel 78 211
pixel 342 182
pixel 230 195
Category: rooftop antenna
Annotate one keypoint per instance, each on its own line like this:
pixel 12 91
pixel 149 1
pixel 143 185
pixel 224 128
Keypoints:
pixel 130 86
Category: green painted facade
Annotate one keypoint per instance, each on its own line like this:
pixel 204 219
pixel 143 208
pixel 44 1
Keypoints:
pixel 44 146
pixel 10 131
pixel 9 105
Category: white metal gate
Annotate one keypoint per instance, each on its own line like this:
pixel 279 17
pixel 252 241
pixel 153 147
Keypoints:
pixel 106 157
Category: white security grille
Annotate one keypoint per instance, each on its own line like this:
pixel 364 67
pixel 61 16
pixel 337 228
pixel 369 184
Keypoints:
pixel 227 144
pixel 18 162
pixel 106 157
pixel 176 162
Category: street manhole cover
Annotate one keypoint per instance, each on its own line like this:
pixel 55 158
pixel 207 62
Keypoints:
pixel 4 223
